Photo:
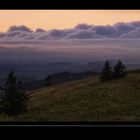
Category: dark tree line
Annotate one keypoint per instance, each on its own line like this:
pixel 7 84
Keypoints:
pixel 108 73
pixel 13 99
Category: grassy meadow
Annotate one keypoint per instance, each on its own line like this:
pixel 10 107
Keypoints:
pixel 85 100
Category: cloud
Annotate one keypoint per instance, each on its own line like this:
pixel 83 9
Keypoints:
pixel 132 35
pixel 82 34
pixel 2 35
pixel 83 26
pixel 136 23
pixel 39 30
pixel 44 36
pixel 57 33
pixel 80 31
pixel 13 33
pixel 105 30
pixel 19 28
pixel 122 28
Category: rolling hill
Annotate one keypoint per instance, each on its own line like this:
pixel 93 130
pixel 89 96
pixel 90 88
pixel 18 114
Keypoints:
pixel 85 100
pixel 55 79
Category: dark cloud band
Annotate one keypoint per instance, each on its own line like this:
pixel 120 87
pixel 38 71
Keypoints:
pixel 80 31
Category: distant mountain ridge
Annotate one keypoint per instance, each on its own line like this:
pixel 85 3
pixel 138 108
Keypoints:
pixel 55 79
pixel 36 72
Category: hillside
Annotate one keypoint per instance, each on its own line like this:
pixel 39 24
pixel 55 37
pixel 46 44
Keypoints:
pixel 85 100
pixel 55 79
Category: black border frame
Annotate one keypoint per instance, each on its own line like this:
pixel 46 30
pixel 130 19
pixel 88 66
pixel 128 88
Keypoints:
pixel 70 124
pixel 69 5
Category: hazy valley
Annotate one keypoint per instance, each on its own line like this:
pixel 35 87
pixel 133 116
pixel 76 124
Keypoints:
pixel 35 61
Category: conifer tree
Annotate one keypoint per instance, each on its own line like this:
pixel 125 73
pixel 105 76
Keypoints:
pixel 106 73
pixel 13 100
pixel 48 80
pixel 119 70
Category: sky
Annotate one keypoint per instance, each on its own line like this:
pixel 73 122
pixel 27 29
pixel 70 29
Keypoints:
pixel 61 19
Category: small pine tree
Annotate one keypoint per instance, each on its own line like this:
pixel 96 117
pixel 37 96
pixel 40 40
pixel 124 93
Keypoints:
pixel 119 70
pixel 13 100
pixel 48 80
pixel 106 73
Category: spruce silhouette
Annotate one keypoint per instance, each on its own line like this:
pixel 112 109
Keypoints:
pixel 13 100
pixel 48 80
pixel 106 73
pixel 119 70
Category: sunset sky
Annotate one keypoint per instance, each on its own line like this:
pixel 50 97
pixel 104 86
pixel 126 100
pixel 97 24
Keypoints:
pixel 60 19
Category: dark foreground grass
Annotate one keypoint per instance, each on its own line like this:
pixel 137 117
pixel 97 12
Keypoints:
pixel 85 100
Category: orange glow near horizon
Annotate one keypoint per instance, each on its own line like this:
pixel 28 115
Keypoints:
pixel 60 19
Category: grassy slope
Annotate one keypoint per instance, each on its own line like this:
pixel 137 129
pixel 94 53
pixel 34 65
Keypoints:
pixel 86 100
